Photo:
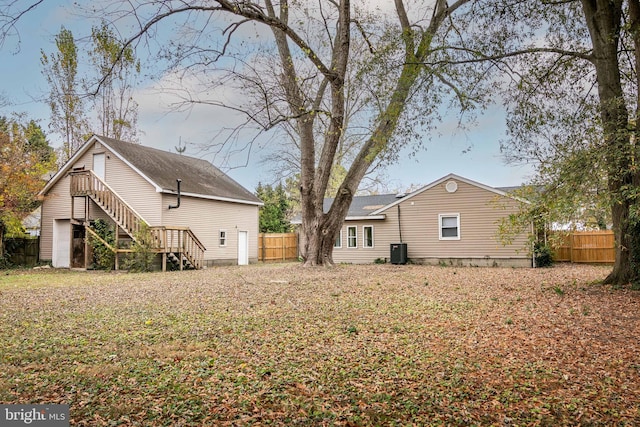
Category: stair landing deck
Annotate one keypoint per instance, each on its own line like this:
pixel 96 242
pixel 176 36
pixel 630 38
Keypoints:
pixel 167 240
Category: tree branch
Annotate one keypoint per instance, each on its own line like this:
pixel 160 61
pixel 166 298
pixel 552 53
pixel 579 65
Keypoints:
pixel 483 58
pixel 10 20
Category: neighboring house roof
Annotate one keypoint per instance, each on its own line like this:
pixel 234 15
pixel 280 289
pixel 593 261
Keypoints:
pixel 31 222
pixel 440 181
pixel 161 169
pixel 509 189
pixel 363 206
pixel 373 207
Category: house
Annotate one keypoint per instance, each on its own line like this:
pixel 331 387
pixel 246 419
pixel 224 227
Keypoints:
pixel 31 223
pixel 453 220
pixel 197 215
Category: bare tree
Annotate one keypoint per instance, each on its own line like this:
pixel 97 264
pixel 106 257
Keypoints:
pixel 307 88
pixel 65 95
pixel 11 12
pixel 116 68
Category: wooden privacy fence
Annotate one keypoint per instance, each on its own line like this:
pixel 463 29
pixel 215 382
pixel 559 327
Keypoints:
pixel 23 251
pixel 586 246
pixel 277 247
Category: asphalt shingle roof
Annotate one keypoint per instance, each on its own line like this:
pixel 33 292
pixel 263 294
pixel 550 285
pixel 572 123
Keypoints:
pixel 364 205
pixel 199 177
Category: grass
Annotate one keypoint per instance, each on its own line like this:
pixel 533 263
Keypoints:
pixel 351 345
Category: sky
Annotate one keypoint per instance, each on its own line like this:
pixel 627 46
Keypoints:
pixel 22 83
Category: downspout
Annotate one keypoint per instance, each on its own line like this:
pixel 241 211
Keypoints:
pixel 178 181
pixel 399 224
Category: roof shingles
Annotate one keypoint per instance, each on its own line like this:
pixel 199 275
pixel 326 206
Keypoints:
pixel 199 177
pixel 364 205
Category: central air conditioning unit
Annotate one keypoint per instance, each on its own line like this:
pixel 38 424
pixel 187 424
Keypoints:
pixel 398 253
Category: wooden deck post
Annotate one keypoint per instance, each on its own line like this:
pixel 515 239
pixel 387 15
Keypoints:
pixel 86 245
pixel 86 224
pixel 180 249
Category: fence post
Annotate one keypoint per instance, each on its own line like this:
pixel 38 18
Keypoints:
pixel 572 237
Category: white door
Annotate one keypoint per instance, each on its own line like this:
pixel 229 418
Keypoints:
pixel 243 248
pixel 99 165
pixel 61 256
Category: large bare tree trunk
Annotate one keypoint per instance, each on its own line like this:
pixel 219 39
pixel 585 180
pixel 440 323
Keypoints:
pixel 318 87
pixel 320 229
pixel 604 20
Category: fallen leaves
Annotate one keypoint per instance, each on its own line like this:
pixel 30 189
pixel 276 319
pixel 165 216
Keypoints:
pixel 351 345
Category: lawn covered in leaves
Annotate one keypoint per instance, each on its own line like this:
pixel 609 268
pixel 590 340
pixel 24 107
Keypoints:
pixel 345 346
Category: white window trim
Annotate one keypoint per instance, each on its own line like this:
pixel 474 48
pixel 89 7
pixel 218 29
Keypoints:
pixel 448 215
pixel 355 236
pixel 364 238
pixel 226 237
pixel 334 242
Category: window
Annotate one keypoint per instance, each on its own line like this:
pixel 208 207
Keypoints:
pixel 449 226
pixel 352 237
pixel 338 242
pixel 367 236
pixel 223 238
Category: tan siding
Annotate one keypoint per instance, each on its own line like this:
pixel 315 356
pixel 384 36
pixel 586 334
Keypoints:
pixel 479 216
pixel 56 205
pixel 207 217
pixel 126 182
pixel 131 187
pixel 382 237
pixel 480 211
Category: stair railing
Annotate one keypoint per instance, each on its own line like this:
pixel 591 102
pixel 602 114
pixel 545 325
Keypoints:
pixel 87 183
pixel 168 239
pixel 181 241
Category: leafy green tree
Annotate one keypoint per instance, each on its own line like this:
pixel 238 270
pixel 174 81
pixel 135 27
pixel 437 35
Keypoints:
pixel 143 253
pixel 25 158
pixel 574 104
pixel 273 216
pixel 68 118
pixel 37 142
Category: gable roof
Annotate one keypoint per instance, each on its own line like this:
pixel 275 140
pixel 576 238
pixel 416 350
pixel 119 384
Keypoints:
pixel 373 207
pixel 161 169
pixel 440 181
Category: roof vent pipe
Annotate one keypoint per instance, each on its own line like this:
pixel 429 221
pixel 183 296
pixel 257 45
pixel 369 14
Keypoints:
pixel 178 181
